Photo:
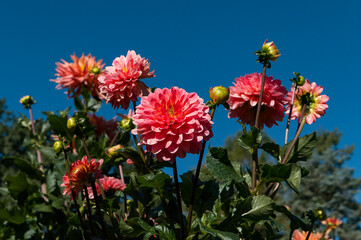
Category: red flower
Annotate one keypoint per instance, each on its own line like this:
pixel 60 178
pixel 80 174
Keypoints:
pixel 78 73
pixel 121 84
pixel 244 96
pixel 103 126
pixel 109 184
pixel 172 122
pixel 79 175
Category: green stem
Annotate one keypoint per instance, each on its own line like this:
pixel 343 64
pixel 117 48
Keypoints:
pixel 179 200
pixel 309 233
pixel 196 177
pixel 100 215
pixel 290 113
pixel 256 124
pixel 92 229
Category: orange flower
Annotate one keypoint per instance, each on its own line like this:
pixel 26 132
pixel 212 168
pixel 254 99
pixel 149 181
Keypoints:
pixel 332 223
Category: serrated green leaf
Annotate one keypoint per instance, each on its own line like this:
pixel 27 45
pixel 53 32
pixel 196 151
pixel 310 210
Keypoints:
pixel 251 140
pixel 257 208
pixel 165 233
pixel 58 125
pixel 275 173
pixel 27 167
pixel 296 222
pixel 154 180
pixel 294 180
pixel 42 208
pixel 302 149
pixel 16 184
pixel 220 166
pixel 217 233
pixel 272 148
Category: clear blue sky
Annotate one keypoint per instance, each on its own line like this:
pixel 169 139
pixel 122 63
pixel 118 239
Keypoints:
pixel 190 44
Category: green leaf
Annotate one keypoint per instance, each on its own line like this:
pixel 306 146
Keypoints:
pixel 251 140
pixel 275 173
pixel 302 149
pixel 42 208
pixel 135 227
pixel 51 182
pixel 217 233
pixel 17 184
pixel 256 208
pixel 294 179
pixel 27 167
pixel 219 165
pixel 48 152
pixel 296 222
pixel 165 233
pixel 58 125
pixel 156 180
pixel 15 215
pixel 272 148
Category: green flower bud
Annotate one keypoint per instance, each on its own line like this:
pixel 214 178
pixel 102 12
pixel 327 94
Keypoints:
pixel 95 70
pixel 271 50
pixel 301 81
pixel 127 124
pixel 112 152
pixel 27 101
pixel 71 124
pixel 58 147
pixel 320 214
pixel 219 95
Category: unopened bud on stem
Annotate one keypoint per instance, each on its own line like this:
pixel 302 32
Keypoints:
pixel 219 95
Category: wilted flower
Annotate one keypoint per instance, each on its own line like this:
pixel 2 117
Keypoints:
pixel 298 235
pixel 309 94
pixel 244 96
pixel 172 122
pixel 103 126
pixel 271 50
pixel 219 95
pixel 27 101
pixel 79 174
pixel 120 84
pixel 110 185
pixel 78 73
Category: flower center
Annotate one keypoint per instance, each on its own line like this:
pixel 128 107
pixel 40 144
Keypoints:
pixel 79 173
pixel 171 111
pixel 125 70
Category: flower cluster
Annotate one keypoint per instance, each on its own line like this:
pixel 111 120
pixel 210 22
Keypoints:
pixel 121 82
pixel 172 122
pixel 79 175
pixel 103 126
pixel 79 73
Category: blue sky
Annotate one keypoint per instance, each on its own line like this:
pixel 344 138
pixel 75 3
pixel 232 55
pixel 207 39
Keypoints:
pixel 190 44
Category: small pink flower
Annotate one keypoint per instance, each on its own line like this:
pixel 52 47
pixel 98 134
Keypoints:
pixel 79 175
pixel 172 122
pixel 78 73
pixel 332 223
pixel 109 184
pixel 298 235
pixel 103 126
pixel 315 108
pixel 130 161
pixel 244 96
pixel 121 83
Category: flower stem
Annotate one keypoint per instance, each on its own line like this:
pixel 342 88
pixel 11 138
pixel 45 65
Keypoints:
pixel 179 200
pixel 79 214
pixel 101 220
pixel 92 229
pixel 256 124
pixel 114 138
pixel 38 154
pixel 195 180
pixel 290 113
pixel 309 233
pixel 125 195
pixel 285 159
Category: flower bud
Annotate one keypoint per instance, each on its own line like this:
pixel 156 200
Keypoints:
pixel 95 70
pixel 271 50
pixel 127 124
pixel 301 81
pixel 71 124
pixel 112 152
pixel 219 95
pixel 58 147
pixel 320 214
pixel 27 101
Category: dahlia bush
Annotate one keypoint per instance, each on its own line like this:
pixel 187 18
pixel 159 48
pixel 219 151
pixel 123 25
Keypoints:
pixel 120 188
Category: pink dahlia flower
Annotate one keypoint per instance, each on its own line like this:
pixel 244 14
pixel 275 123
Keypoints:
pixel 120 84
pixel 316 106
pixel 298 235
pixel 78 73
pixel 244 96
pixel 332 223
pixel 109 184
pixel 172 122
pixel 103 126
pixel 79 175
